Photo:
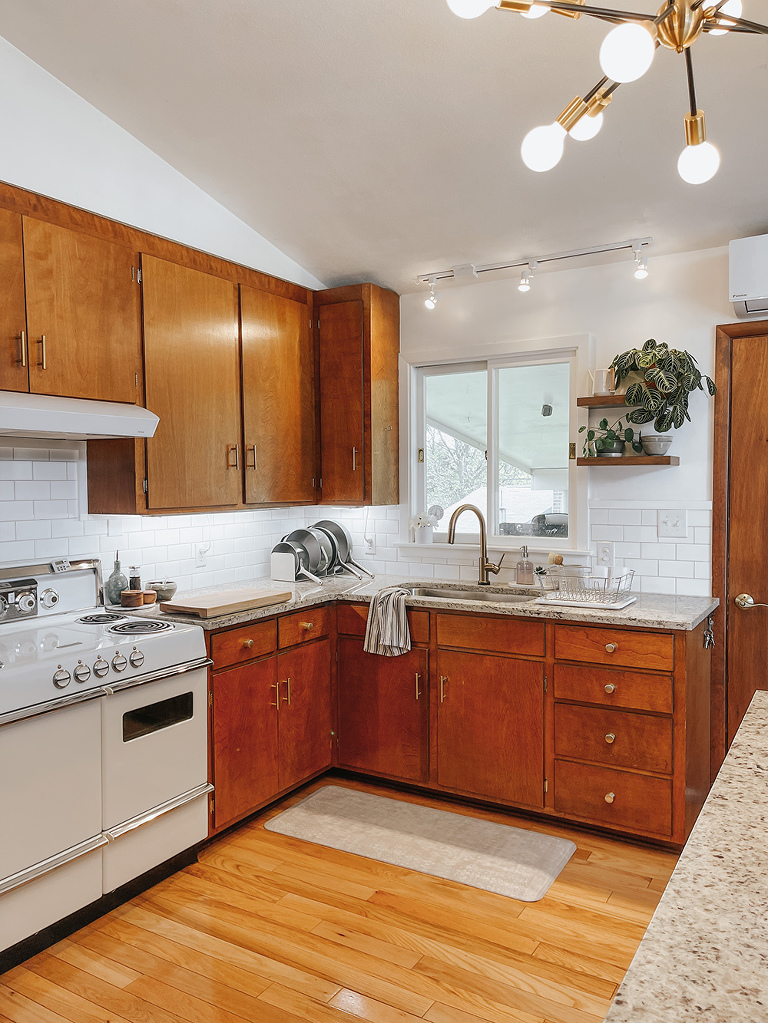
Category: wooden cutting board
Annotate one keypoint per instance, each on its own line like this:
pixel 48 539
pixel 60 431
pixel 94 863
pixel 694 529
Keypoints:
pixel 211 605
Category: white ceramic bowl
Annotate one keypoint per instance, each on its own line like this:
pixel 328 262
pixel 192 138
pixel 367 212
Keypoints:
pixel 655 443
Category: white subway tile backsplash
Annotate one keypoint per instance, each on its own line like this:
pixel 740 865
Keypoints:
pixel 693 552
pixel 598 516
pixel 7 490
pixel 694 587
pixel 32 491
pixel 49 471
pixel 64 490
pixel 6 453
pixel 609 533
pixel 35 530
pixel 51 509
pixel 624 517
pixel 649 517
pixel 702 570
pixel 643 534
pixel 15 470
pixel 8 530
pixel 655 551
pixel 15 510
pixel 702 535
pixel 17 551
pixel 642 566
pixel 658 585
pixel 676 569
pixel 31 454
pixel 627 550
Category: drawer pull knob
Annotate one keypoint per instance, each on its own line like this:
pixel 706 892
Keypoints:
pixel 307 625
pixel 248 643
pixel 610 796
pixel 610 647
pixel 610 688
pixel 610 737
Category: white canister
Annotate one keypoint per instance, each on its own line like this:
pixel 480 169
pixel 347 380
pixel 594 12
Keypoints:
pixel 603 382
pixel 422 534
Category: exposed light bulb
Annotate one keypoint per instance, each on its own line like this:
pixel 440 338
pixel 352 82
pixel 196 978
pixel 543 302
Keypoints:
pixel 732 7
pixel 535 11
pixel 698 163
pixel 470 8
pixel 525 281
pixel 542 147
pixel 641 270
pixel 627 52
pixel 586 127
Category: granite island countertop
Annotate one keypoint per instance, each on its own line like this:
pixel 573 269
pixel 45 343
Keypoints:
pixel 650 611
pixel 704 957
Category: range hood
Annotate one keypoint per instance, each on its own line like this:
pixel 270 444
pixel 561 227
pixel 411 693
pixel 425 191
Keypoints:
pixel 48 416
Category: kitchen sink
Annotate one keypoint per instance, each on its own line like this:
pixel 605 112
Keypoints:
pixel 479 593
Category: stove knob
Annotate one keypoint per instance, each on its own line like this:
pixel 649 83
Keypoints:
pixel 136 658
pixel 26 602
pixel 3 606
pixel 82 672
pixel 49 598
pixel 100 667
pixel 119 663
pixel 61 678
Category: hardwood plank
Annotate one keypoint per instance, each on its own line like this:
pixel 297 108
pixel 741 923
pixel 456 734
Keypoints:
pixel 578 963
pixel 365 943
pixel 440 1013
pixel 355 1004
pixel 188 1006
pixel 21 1009
pixel 58 999
pixel 85 959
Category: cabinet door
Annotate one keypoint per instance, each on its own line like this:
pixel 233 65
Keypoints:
pixel 383 711
pixel 305 712
pixel 193 383
pixel 278 399
pixel 341 402
pixel 14 371
pixel 490 726
pixel 244 739
pixel 83 298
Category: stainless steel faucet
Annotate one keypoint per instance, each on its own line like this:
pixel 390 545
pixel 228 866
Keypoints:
pixel 485 566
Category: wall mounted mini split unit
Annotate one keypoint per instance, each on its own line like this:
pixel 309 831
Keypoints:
pixel 748 274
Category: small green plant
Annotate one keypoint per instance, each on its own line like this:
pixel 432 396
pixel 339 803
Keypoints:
pixel 604 436
pixel 669 377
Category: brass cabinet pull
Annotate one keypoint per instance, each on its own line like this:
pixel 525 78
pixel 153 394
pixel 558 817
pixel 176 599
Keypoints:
pixel 252 449
pixel 287 699
pixel 276 705
pixel 22 338
pixel 248 644
pixel 610 737
pixel 354 459
pixel 307 625
pixel 610 688
pixel 443 683
pixel 610 647
pixel 230 449
pixel 418 679
pixel 42 363
pixel 610 796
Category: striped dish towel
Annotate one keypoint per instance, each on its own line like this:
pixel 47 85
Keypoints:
pixel 387 631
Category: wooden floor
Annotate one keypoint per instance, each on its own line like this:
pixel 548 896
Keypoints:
pixel 270 929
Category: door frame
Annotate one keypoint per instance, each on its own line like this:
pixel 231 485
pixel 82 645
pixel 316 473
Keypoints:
pixel 725 335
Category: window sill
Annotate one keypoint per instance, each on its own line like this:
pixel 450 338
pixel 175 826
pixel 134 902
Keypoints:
pixel 442 550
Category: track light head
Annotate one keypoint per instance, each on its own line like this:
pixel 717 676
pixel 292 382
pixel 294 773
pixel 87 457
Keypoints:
pixel 641 270
pixel 431 300
pixel 525 277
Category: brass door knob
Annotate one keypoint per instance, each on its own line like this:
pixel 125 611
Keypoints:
pixel 307 625
pixel 610 647
pixel 610 688
pixel 610 796
pixel 248 643
pixel 610 737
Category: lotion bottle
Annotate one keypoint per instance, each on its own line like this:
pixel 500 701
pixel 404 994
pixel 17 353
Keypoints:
pixel 524 569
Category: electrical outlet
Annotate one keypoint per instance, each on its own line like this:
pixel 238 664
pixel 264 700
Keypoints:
pixel 673 523
pixel 606 554
pixel 369 545
pixel 201 554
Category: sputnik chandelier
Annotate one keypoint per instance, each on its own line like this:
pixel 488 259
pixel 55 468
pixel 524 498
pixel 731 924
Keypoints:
pixel 625 55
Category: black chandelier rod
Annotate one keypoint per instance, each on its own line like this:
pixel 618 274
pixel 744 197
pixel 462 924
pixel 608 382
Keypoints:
pixel 691 86
pixel 609 14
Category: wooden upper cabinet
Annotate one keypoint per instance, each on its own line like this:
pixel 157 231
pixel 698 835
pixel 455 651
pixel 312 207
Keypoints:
pixel 192 366
pixel 358 329
pixel 14 368
pixel 278 399
pixel 83 314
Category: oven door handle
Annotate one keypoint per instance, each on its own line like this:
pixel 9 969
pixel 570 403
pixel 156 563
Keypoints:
pixel 58 704
pixel 155 676
pixel 74 852
pixel 157 811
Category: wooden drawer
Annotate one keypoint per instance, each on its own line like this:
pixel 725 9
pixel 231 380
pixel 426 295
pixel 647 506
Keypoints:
pixel 304 626
pixel 627 689
pixel 351 620
pixel 649 650
pixel 497 635
pixel 638 803
pixel 243 644
pixel 614 737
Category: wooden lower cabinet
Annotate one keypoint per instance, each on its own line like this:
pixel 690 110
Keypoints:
pixel 490 726
pixel 383 711
pixel 304 727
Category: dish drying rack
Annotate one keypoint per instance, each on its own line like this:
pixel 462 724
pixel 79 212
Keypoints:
pixel 577 586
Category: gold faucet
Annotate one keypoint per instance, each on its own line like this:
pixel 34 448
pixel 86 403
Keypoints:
pixel 485 565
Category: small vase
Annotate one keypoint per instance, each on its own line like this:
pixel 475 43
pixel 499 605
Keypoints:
pixel 422 534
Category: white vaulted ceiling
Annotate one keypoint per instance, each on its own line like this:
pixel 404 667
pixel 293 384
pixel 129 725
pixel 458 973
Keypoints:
pixel 380 140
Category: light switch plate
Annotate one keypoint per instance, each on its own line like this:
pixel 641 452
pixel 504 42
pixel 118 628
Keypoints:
pixel 673 523
pixel 606 554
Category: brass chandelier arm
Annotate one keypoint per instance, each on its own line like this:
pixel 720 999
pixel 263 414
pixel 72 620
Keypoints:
pixel 740 24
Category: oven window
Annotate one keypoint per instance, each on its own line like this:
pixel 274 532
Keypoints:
pixel 155 716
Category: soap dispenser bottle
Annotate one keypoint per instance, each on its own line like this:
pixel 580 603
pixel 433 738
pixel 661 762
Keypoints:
pixel 116 583
pixel 524 569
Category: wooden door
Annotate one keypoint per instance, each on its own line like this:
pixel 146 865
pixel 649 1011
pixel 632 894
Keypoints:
pixel 341 402
pixel 14 369
pixel 383 712
pixel 193 383
pixel 244 739
pixel 490 726
pixel 278 399
pixel 83 298
pixel 305 712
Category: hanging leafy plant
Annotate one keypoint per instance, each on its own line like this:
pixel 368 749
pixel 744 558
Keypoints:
pixel 604 436
pixel 668 378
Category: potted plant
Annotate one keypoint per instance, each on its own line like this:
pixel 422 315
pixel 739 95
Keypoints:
pixel 667 379
pixel 610 440
pixel 422 526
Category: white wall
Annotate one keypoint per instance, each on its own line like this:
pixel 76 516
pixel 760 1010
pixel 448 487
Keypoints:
pixel 682 300
pixel 57 144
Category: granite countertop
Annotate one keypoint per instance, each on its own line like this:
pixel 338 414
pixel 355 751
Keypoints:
pixel 650 611
pixel 704 956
